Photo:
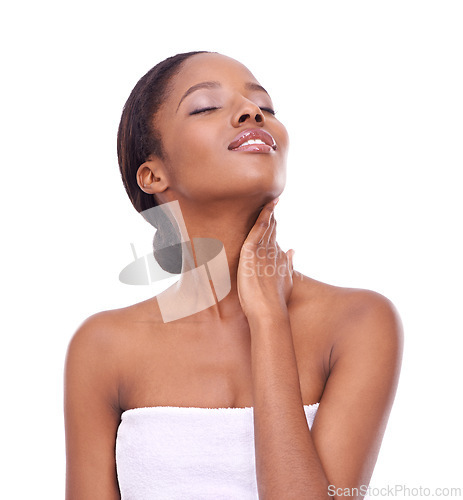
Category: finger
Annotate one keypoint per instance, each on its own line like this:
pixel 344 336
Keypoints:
pixel 272 235
pixel 261 225
pixel 267 237
pixel 290 254
pixel 272 246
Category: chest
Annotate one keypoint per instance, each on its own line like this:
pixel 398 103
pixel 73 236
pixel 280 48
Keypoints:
pixel 194 365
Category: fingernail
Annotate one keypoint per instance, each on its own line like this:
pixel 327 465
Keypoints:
pixel 276 201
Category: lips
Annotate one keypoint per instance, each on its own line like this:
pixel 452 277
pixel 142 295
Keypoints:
pixel 254 134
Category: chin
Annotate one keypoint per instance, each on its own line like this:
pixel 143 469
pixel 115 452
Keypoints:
pixel 266 192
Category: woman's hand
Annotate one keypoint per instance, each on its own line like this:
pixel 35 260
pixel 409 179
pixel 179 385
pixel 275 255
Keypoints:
pixel 265 278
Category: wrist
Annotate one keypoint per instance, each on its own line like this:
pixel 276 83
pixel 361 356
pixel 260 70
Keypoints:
pixel 267 316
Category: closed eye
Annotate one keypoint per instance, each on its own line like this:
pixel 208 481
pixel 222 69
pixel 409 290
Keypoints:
pixel 269 110
pixel 202 110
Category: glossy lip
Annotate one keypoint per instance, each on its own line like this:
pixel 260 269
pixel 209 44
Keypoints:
pixel 253 133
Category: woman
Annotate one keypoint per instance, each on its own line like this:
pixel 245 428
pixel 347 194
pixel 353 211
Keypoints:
pixel 279 346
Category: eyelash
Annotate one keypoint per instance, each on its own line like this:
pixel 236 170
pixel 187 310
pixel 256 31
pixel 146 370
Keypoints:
pixel 271 111
pixel 202 110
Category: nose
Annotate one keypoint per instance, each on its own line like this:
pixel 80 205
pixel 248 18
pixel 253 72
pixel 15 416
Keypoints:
pixel 248 111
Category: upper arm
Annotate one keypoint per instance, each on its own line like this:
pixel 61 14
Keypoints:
pixel 91 411
pixel 358 396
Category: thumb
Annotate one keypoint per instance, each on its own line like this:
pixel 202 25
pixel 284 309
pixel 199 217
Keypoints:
pixel 291 258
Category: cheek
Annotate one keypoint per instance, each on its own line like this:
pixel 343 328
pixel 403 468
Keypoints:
pixel 194 154
pixel 284 137
pixel 195 147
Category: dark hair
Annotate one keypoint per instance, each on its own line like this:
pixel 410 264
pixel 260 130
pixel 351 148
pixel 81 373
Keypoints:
pixel 137 138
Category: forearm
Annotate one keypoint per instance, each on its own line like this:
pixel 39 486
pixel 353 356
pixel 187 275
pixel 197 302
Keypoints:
pixel 287 464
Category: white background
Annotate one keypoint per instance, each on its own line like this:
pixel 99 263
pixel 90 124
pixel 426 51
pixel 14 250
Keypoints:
pixel 371 94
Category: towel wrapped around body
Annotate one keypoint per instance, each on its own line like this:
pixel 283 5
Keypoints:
pixel 188 453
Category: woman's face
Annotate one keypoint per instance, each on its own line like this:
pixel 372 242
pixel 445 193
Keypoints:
pixel 213 100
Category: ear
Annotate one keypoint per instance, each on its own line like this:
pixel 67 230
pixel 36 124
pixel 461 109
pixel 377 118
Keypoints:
pixel 151 176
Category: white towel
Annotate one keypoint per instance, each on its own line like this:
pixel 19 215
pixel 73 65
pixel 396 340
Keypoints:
pixel 188 453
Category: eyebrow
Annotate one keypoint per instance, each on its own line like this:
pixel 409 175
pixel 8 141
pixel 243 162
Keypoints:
pixel 215 85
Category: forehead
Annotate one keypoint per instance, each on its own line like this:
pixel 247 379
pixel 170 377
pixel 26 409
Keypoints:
pixel 210 67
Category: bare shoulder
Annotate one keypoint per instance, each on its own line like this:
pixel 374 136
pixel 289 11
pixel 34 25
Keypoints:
pixel 100 343
pixel 111 328
pixel 349 314
pixel 92 357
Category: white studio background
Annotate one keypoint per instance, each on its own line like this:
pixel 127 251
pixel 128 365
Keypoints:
pixel 370 93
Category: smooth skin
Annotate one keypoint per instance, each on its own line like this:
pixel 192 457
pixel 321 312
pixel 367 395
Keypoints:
pixel 276 342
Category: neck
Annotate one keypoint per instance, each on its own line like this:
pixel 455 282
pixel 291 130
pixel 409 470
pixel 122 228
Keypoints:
pixel 229 222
